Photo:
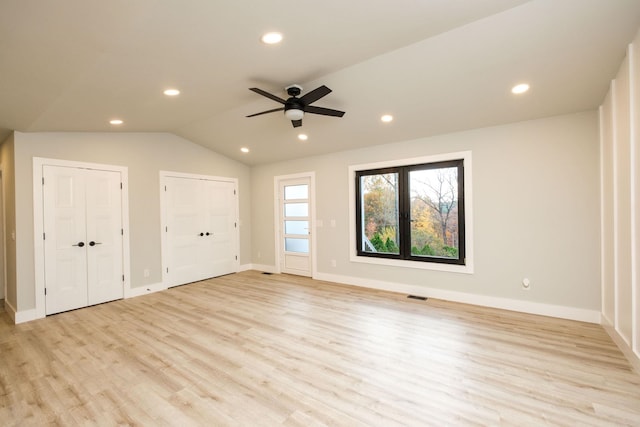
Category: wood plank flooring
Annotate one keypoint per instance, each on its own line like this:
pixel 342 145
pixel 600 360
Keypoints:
pixel 274 350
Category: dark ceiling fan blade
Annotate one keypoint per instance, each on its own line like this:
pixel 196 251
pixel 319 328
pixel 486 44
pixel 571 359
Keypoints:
pixel 323 111
pixel 267 94
pixel 268 111
pixel 296 123
pixel 315 94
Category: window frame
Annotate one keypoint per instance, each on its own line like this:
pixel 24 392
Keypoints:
pixel 462 264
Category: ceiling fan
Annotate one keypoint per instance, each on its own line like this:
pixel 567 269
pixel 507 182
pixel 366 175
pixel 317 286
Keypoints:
pixel 294 107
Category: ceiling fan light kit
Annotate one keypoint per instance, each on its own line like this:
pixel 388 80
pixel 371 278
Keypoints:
pixel 294 114
pixel 294 107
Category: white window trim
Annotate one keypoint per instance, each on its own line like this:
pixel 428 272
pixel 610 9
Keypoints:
pixel 468 214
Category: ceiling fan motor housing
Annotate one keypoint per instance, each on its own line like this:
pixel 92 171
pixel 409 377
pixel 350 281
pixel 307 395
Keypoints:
pixel 293 104
pixel 293 90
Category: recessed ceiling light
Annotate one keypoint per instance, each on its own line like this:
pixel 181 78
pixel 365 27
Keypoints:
pixel 387 118
pixel 244 149
pixel 172 92
pixel 116 122
pixel 520 88
pixel 271 38
pixel 303 137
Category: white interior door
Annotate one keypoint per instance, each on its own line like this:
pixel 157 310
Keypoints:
pixel 65 239
pixel 220 227
pixel 104 236
pixel 295 226
pixel 83 237
pixel 201 229
pixel 183 228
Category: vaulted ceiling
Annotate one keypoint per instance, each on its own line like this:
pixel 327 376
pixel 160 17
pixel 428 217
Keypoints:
pixel 437 66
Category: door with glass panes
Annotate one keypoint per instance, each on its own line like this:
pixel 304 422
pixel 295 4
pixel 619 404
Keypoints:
pixel 295 226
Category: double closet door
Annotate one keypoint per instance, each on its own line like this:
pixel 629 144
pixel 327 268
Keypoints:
pixel 83 237
pixel 200 229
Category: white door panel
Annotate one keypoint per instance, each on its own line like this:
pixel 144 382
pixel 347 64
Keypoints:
pixel 220 220
pixel 65 251
pixel 104 236
pixel 183 230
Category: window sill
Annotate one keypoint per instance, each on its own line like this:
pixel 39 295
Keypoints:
pixel 434 266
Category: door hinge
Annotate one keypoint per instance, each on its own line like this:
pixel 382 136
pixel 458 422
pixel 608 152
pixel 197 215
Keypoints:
pixel 45 291
pixel 122 231
pixel 234 192
pixel 121 186
pixel 236 257
pixel 166 229
pixel 165 188
pixel 44 236
pixel 235 224
pixel 42 180
pixel 123 277
pixel 167 269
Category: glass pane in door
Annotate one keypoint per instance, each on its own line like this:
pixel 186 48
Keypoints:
pixel 292 244
pixel 296 227
pixel 296 209
pixel 292 192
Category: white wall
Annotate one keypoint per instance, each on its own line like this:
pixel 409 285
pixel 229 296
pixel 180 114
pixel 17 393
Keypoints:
pixel 145 154
pixel 620 180
pixel 536 215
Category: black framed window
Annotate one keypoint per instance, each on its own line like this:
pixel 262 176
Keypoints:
pixel 413 212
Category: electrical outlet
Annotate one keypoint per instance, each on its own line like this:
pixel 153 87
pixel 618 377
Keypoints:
pixel 146 272
pixel 333 263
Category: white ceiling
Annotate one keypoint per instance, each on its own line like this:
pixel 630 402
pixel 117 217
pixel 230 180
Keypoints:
pixel 437 65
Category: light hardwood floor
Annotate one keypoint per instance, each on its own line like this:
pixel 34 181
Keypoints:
pixel 274 350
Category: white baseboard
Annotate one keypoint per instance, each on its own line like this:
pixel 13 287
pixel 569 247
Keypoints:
pixel 143 290
pixel 558 311
pixel 20 316
pixel 246 267
pixel 263 267
pixel 10 311
pixel 622 344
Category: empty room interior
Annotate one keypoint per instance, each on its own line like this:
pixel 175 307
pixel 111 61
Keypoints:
pixel 285 213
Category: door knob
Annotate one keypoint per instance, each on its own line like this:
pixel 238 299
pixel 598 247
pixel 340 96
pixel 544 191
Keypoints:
pixel 201 234
pixel 207 233
pixel 80 244
pixel 92 243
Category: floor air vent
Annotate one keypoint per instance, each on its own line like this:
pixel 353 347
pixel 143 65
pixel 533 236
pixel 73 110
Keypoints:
pixel 267 273
pixel 417 297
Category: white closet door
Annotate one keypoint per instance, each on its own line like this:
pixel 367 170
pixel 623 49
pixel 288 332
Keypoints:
pixel 65 245
pixel 104 236
pixel 200 229
pixel 83 237
pixel 220 222
pixel 183 230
